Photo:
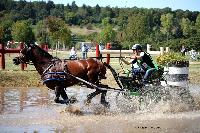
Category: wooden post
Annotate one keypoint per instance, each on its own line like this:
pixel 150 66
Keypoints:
pixel 108 46
pixel 97 51
pixel 161 50
pixel 167 50
pixel 2 57
pixel 148 48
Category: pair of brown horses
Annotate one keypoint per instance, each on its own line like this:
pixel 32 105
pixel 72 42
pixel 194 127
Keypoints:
pixel 59 74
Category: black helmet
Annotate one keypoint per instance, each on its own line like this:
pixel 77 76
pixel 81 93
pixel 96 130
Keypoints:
pixel 137 47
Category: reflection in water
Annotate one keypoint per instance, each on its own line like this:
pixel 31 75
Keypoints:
pixel 15 100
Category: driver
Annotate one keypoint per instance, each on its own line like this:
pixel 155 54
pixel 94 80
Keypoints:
pixel 143 60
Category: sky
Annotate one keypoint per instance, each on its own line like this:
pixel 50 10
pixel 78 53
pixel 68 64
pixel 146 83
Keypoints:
pixel 192 5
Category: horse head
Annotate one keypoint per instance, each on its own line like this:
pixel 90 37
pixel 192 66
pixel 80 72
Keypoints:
pixel 24 56
pixel 34 53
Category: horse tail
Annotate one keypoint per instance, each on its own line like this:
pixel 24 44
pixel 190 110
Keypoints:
pixel 114 73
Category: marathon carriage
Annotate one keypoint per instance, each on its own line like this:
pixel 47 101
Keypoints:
pixel 157 90
pixel 133 88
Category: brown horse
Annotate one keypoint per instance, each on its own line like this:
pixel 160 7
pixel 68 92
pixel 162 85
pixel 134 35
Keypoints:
pixel 59 74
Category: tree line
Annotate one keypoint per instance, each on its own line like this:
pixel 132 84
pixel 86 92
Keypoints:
pixel 46 22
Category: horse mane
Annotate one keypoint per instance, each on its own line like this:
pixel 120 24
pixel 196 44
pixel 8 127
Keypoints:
pixel 42 52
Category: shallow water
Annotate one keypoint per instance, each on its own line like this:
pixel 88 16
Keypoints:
pixel 33 110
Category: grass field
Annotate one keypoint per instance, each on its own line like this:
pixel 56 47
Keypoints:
pixel 13 76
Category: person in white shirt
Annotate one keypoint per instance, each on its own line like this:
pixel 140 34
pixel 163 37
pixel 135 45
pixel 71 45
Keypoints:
pixel 73 54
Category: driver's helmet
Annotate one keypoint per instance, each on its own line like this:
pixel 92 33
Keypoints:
pixel 137 47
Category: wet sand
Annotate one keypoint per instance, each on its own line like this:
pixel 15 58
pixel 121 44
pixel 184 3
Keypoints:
pixel 33 110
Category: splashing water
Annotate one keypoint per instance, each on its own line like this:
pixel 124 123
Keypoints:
pixel 33 109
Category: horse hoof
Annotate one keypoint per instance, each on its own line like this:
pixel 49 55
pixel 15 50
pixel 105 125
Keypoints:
pixel 61 101
pixel 106 104
pixel 56 100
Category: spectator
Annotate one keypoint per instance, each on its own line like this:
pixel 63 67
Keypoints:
pixel 183 50
pixel 84 50
pixel 73 54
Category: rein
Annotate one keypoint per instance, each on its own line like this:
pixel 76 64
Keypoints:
pixel 93 85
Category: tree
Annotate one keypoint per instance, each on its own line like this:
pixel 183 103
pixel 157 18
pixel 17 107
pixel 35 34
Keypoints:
pixel 197 25
pixel 57 30
pixel 54 23
pixel 65 36
pixel 41 32
pixel 22 31
pixel 74 7
pixel 137 28
pixel 167 24
pixel 58 11
pixel 50 5
pixel 1 34
pixel 97 10
pixel 28 11
pixel 186 27
pixel 70 18
pixel 6 30
pixel 107 34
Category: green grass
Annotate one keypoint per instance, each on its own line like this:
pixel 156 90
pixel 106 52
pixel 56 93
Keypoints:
pixel 83 31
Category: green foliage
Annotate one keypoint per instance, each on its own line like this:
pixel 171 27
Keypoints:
pixel 22 31
pixel 167 24
pixel 107 34
pixel 186 27
pixel 197 24
pixel 158 27
pixel 1 34
pixel 41 32
pixel 65 35
pixel 92 36
pixel 58 30
pixel 170 57
pixel 5 30
pixel 137 28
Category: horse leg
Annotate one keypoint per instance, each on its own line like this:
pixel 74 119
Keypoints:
pixel 64 96
pixel 91 95
pixel 59 91
pixel 103 99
